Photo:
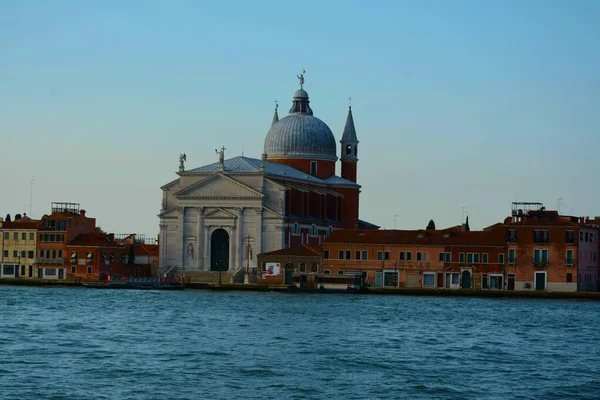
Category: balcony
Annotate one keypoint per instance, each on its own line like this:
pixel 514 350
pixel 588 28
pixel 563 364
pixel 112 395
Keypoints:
pixel 541 263
pixel 52 261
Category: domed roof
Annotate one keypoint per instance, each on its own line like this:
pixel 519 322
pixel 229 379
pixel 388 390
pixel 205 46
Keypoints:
pixel 300 134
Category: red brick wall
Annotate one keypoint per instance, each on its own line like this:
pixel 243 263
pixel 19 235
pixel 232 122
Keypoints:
pixel 324 168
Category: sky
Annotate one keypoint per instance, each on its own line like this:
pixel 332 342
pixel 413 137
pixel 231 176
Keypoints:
pixel 461 107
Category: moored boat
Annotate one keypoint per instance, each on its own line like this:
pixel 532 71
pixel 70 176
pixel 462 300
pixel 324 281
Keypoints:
pixel 139 284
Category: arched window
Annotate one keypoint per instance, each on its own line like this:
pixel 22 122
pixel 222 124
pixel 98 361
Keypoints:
pixel 313 231
pixel 296 229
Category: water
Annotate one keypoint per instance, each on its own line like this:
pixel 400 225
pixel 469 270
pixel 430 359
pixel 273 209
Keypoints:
pixel 105 344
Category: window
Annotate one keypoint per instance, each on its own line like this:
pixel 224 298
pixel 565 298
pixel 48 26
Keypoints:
pixel 15 253
pixel 365 255
pixel 426 256
pixel 327 272
pixel 42 252
pixel 53 253
pixel 569 277
pixel 6 235
pixel 455 279
pixel 501 259
pixel 90 256
pixel 325 255
pixel 302 267
pixel 5 253
pixel 541 237
pixel 587 237
pixel 484 281
pixel 296 229
pixel 383 255
pixel 569 258
pixel 512 236
pixel 470 258
pixel 355 151
pixel 314 268
pixel 89 270
pixel 441 257
pixel 357 255
pixel 428 280
pixel 313 231
pixel 461 257
pixel 50 271
pixel 73 269
pixel 476 258
pixel 16 236
pixel 24 236
pixel 313 167
pixel 60 254
pixel 419 256
pixel 348 255
pixel 511 256
pixel 52 237
pixel 30 254
pixel 408 256
pixel 592 238
pixel 484 258
pixel 8 270
pixel 341 254
pixel 401 256
pixel 581 236
pixel 540 257
pixel 32 236
pixel 348 149
pixel 448 257
pixel 570 237
pixel 23 253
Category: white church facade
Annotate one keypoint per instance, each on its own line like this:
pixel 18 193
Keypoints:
pixel 220 216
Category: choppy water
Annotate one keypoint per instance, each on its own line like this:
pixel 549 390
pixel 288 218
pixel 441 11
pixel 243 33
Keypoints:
pixel 85 344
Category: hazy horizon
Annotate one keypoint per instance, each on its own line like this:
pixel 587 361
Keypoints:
pixel 456 104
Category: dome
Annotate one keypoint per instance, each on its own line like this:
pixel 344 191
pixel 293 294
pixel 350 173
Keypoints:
pixel 300 134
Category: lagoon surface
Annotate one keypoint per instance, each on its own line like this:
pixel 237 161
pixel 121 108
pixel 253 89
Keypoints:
pixel 60 343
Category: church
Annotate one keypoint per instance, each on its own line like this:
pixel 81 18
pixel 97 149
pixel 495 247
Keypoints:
pixel 219 217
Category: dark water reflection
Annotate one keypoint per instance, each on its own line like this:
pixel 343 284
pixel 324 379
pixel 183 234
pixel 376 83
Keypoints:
pixel 82 344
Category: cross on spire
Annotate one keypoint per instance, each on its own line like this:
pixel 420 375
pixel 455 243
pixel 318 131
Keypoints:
pixel 350 101
pixel 276 104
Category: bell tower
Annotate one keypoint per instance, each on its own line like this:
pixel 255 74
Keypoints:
pixel 349 154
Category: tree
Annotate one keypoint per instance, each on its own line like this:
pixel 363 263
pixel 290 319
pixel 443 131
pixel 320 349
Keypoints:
pixel 467 228
pixel 131 256
pixel 8 218
pixel 430 225
pixel 99 230
pixel 17 217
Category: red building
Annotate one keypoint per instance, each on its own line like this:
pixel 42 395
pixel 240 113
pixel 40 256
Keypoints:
pixel 65 222
pixel 97 256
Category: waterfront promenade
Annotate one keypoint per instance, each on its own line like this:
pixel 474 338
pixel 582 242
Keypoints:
pixel 369 291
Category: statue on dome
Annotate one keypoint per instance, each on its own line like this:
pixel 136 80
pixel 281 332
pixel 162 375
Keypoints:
pixel 301 77
pixel 221 154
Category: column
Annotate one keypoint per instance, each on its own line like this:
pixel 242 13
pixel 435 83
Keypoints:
pixel 180 234
pixel 199 236
pixel 206 249
pixel 258 234
pixel 239 259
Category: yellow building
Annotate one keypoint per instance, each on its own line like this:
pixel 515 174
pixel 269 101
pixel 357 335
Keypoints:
pixel 19 239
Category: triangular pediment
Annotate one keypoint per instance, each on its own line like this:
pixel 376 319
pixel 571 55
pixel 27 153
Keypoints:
pixel 268 213
pixel 220 213
pixel 219 186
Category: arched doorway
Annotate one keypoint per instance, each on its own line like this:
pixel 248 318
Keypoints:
pixel 466 279
pixel 289 274
pixel 219 250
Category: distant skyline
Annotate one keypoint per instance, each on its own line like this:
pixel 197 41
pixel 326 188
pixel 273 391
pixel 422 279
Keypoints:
pixel 456 104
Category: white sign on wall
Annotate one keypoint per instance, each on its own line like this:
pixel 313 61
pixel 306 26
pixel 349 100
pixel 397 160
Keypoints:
pixel 272 269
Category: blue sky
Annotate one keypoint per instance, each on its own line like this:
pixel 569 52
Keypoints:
pixel 457 104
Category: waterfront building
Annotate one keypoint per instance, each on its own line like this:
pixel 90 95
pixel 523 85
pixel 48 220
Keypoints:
pixel 220 216
pixel 63 224
pixel 533 249
pixel 19 247
pixel 279 266
pixel 546 250
pixel 144 250
pixel 97 256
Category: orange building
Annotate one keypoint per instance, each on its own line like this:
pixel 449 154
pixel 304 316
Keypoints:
pixel 64 223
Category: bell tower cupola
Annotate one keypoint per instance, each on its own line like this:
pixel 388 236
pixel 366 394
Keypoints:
pixel 349 153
